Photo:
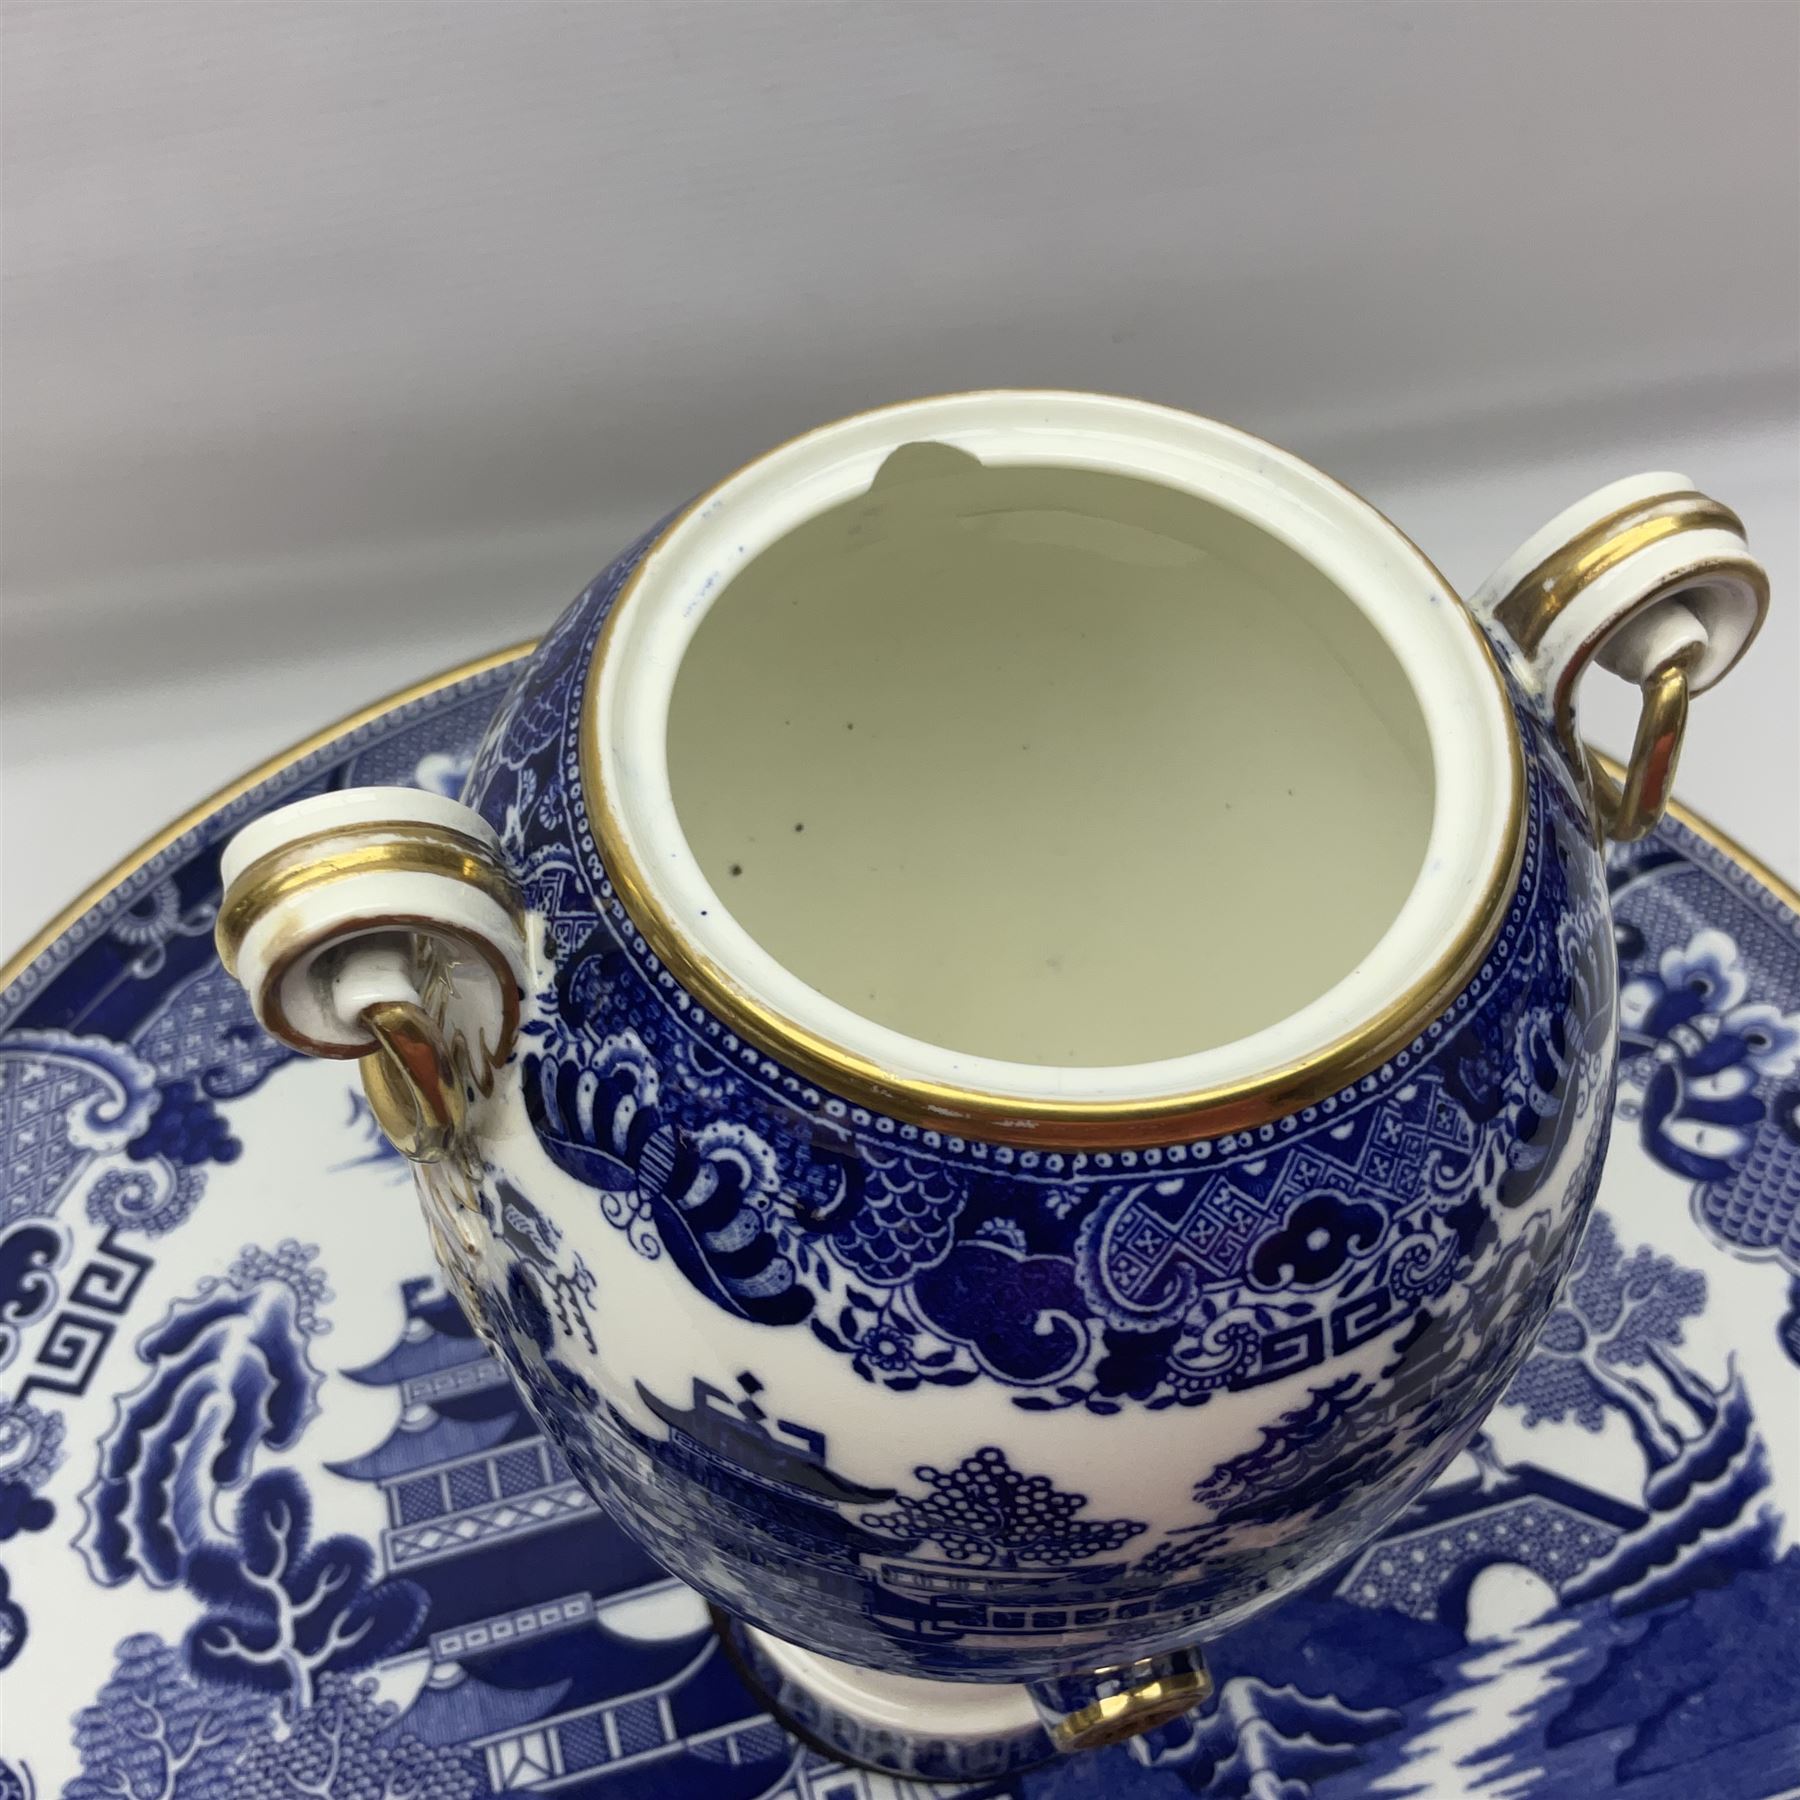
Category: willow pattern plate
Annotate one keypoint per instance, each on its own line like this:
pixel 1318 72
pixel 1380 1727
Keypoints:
pixel 272 1523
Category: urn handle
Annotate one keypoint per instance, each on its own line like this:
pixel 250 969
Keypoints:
pixel 382 924
pixel 1652 580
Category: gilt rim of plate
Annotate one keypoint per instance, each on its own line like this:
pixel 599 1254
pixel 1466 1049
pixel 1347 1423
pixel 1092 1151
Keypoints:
pixel 35 960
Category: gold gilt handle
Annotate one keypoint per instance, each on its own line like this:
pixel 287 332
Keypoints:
pixel 382 924
pixel 1652 580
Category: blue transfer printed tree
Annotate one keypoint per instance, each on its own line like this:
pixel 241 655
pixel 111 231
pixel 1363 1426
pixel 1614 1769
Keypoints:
pixel 1710 1517
pixel 155 1733
pixel 345 1746
pixel 1610 1346
pixel 281 1612
pixel 986 1513
pixel 228 1371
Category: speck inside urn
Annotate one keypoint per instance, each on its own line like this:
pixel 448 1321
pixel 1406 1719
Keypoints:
pixel 1129 777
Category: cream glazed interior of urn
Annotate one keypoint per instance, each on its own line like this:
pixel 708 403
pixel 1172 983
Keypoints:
pixel 1057 766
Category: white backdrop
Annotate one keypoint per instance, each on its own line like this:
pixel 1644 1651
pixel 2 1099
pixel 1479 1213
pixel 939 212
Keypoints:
pixel 345 341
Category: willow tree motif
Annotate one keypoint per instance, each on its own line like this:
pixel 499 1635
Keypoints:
pixel 228 1373
pixel 1610 1346
pixel 983 1511
pixel 349 1745
pixel 154 1732
pixel 284 1612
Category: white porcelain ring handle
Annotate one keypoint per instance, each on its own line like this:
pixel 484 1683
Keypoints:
pixel 381 923
pixel 1654 581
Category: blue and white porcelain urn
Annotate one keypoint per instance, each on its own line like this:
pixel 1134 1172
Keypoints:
pixel 1014 1032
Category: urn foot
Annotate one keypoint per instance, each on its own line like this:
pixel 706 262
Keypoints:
pixel 899 1724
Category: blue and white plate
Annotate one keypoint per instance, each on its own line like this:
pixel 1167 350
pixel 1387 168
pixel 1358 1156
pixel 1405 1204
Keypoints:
pixel 272 1524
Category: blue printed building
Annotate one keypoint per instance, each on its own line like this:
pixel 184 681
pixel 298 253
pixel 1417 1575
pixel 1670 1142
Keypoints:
pixel 558 1651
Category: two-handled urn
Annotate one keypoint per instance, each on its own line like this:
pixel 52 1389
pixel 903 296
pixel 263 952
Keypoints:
pixel 1015 1033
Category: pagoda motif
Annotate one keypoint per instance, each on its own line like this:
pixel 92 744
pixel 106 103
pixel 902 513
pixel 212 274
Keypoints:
pixel 984 1552
pixel 559 1653
pixel 778 1454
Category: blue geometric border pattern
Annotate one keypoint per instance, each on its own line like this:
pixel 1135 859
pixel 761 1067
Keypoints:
pixel 1106 1280
pixel 123 1044
pixel 284 1526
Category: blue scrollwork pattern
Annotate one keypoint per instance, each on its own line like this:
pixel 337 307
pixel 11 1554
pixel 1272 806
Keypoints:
pixel 1102 1280
pixel 1598 1599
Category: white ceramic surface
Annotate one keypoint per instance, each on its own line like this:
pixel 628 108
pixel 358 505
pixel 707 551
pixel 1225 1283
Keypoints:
pixel 1497 1642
